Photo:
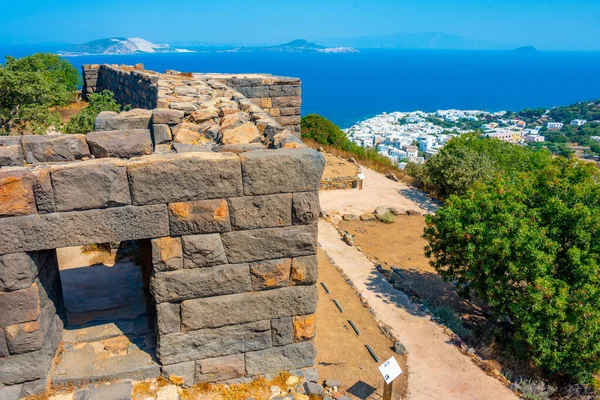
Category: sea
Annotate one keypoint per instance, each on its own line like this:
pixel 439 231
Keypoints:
pixel 347 88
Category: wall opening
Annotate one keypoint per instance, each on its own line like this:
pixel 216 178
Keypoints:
pixel 108 330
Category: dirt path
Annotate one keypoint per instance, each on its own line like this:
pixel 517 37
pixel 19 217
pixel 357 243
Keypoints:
pixel 377 191
pixel 437 369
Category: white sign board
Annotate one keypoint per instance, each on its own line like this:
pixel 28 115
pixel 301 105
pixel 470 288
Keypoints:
pixel 390 370
pixel 361 176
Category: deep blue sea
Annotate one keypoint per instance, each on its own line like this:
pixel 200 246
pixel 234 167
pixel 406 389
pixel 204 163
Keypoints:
pixel 347 88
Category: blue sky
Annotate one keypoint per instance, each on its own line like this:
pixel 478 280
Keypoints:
pixel 546 24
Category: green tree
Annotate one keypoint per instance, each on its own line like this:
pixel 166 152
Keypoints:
pixel 83 122
pixel 29 86
pixel 527 244
pixel 322 131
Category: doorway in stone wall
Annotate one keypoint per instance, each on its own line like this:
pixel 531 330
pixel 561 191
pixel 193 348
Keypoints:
pixel 109 319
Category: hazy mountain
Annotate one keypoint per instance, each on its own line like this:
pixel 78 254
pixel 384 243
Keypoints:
pixel 295 46
pixel 526 51
pixel 120 45
pixel 429 40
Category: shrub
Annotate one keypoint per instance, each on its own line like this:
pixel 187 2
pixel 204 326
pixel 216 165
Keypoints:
pixel 387 217
pixel 447 316
pixel 535 390
pixel 83 122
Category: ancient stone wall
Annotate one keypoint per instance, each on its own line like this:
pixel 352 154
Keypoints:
pixel 226 196
pixel 339 182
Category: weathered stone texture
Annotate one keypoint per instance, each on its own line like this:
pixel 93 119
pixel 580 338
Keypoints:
pixel 167 116
pixel 121 144
pixel 3 345
pixel 200 282
pixel 83 227
pixel 16 192
pixel 220 368
pixel 270 243
pixel 281 331
pixel 92 184
pixel 167 318
pixel 281 170
pixel 133 119
pixel 304 327
pixel 306 207
pixel 161 133
pixel 203 251
pixel 11 156
pixel 185 370
pixel 184 177
pixel 55 148
pixel 17 271
pixel 242 308
pixel 251 212
pixel 201 216
pixel 270 274
pixel 243 134
pixel 44 193
pixel 167 254
pixel 209 343
pixel 19 306
pixel 30 336
pixel 304 270
pixel 298 355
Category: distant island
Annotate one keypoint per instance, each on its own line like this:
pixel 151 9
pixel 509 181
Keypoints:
pixel 295 46
pixel 526 50
pixel 120 45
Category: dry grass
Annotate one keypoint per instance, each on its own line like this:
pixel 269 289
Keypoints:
pixel 258 389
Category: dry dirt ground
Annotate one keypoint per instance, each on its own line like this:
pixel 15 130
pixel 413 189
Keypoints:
pixel 401 245
pixel 335 166
pixel 341 354
pixel 70 110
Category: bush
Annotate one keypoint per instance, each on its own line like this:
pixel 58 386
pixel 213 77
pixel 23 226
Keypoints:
pixel 527 244
pixel 447 316
pixel 535 390
pixel 83 122
pixel 387 217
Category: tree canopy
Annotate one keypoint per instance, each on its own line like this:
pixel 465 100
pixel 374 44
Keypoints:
pixel 98 102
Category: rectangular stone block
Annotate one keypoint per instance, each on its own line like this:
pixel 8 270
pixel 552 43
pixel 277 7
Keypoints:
pixel 161 133
pixel 270 274
pixel 200 282
pixel 281 171
pixel 167 254
pixel 17 271
pixel 90 184
pixel 77 228
pixel 183 177
pixel 270 243
pixel 3 345
pixel 30 336
pixel 287 101
pixel 43 191
pixel 185 370
pixel 11 156
pixel 203 251
pixel 304 327
pixel 168 318
pixel 19 306
pixel 291 90
pixel 121 144
pixel 54 148
pixel 220 368
pixel 167 116
pixel 304 270
pixel 289 120
pixel 132 119
pixel 200 216
pixel 281 331
pixel 209 343
pixel 242 308
pixel 16 192
pixel 293 356
pixel 306 207
pixel 251 212
pixel 287 111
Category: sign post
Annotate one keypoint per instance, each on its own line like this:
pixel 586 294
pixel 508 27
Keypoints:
pixel 390 370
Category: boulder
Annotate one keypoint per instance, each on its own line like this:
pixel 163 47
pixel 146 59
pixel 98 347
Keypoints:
pixel 367 217
pixel 350 217
pixel 16 192
pixel 127 120
pixel 313 389
pixel 243 134
pixel 381 210
pixel 91 184
pixel 200 216
pixel 11 156
pixel 120 143
pixel 167 116
pixel 397 211
pixel 298 355
pixel 55 148
pixel 251 212
pixel 414 212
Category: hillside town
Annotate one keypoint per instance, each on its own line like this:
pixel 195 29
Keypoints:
pixel 416 136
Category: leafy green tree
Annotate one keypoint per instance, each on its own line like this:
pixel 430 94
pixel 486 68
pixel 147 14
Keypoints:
pixel 29 86
pixel 527 244
pixel 322 131
pixel 83 122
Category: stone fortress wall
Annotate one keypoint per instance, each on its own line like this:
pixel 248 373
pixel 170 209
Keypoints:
pixel 221 196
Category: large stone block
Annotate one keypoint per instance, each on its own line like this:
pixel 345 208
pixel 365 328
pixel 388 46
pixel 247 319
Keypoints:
pixel 293 356
pixel 55 148
pixel 251 212
pixel 281 170
pixel 270 274
pixel 242 308
pixel 19 306
pixel 209 343
pixel 11 156
pixel 14 140
pixel 203 251
pixel 16 192
pixel 76 228
pixel 304 327
pixel 270 243
pixel 167 318
pixel 306 207
pixel 289 120
pixel 167 254
pixel 167 116
pixel 133 119
pixel 3 345
pixel 286 101
pixel 220 368
pixel 304 270
pixel 184 177
pixel 121 144
pixel 281 331
pixel 30 336
pixel 200 216
pixel 17 271
pixel 90 184
pixel 243 134
pixel 44 194
pixel 200 282
pixel 185 370
pixel 161 133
